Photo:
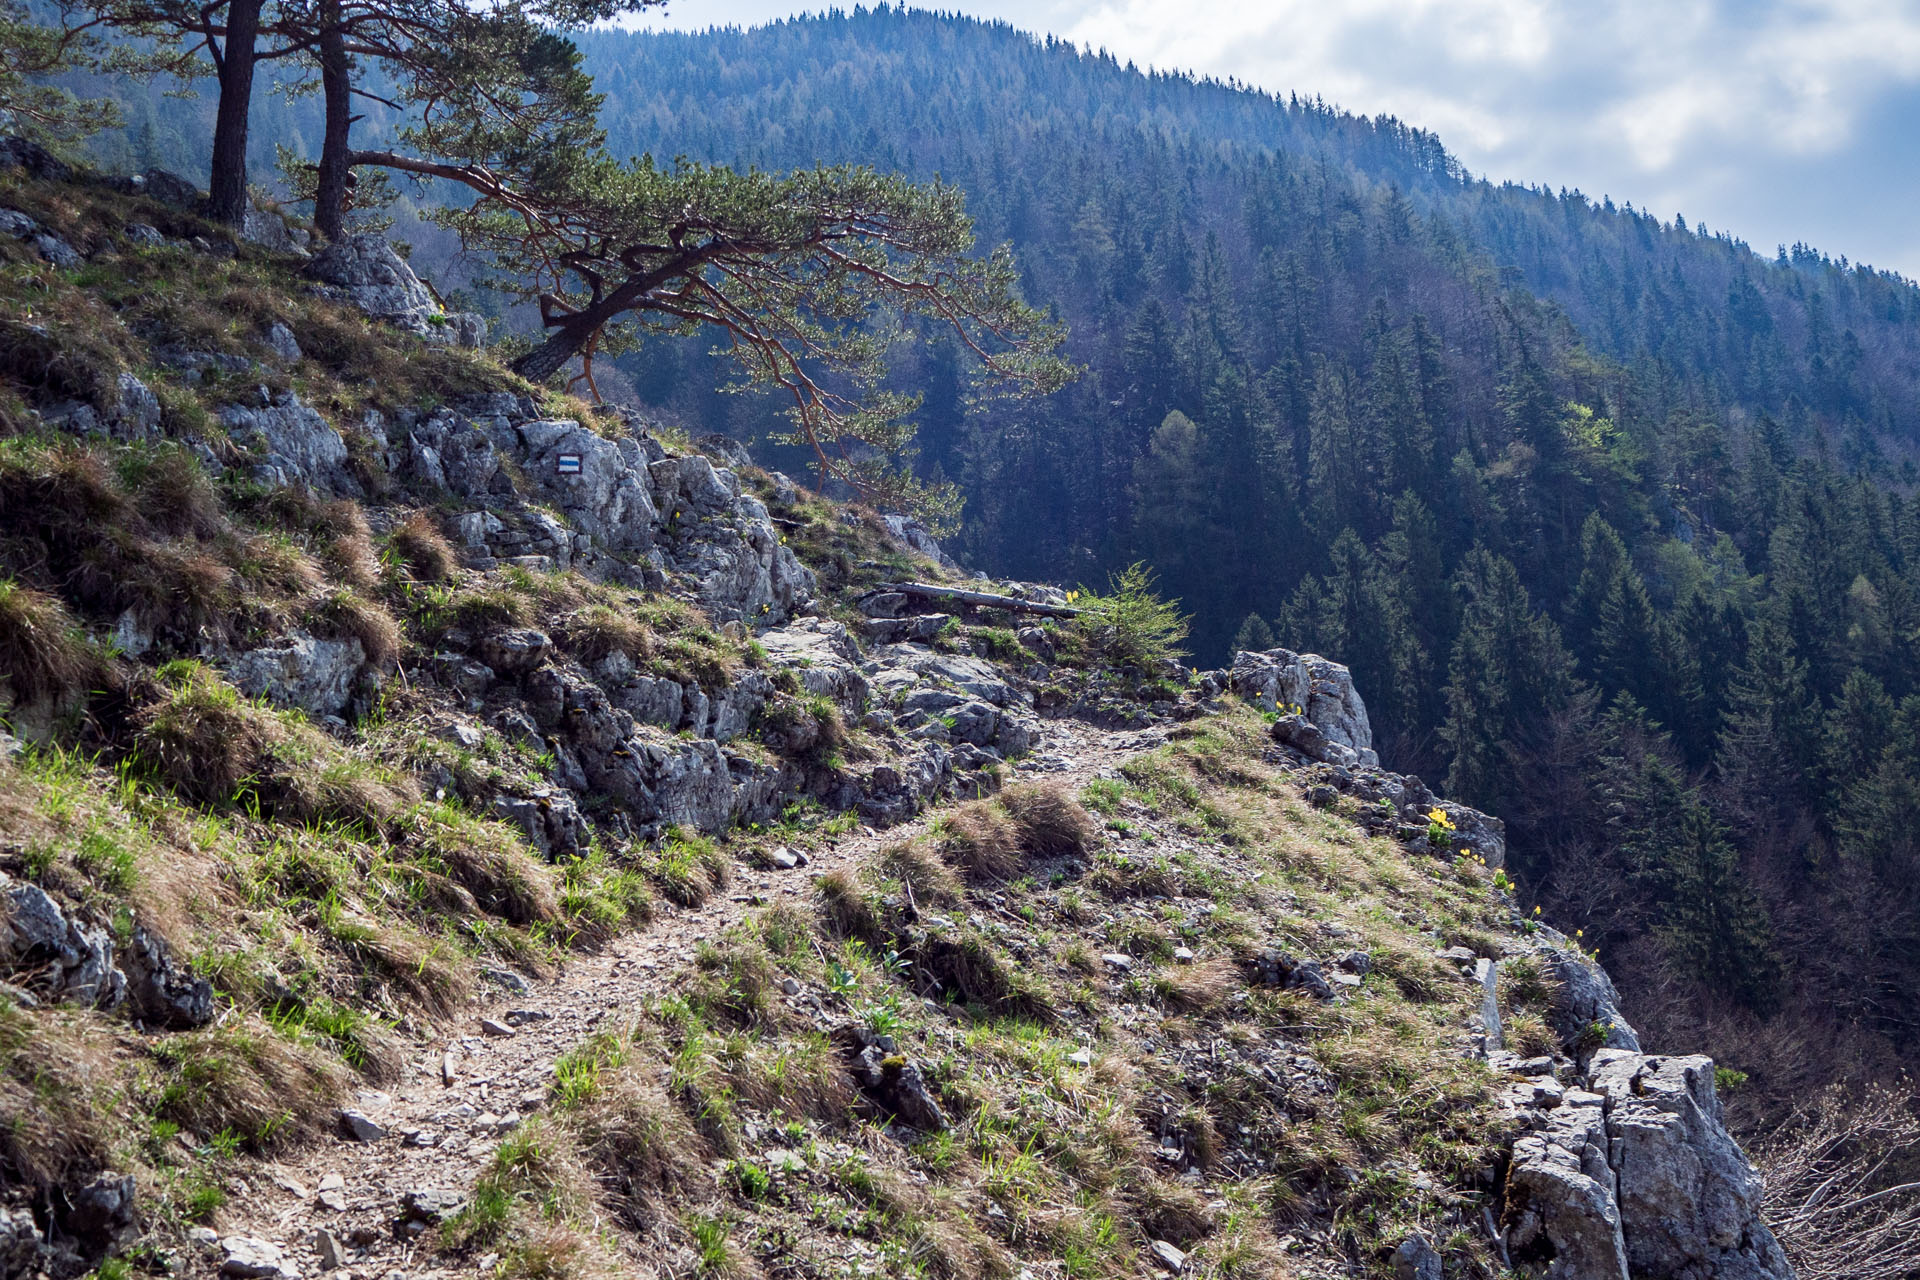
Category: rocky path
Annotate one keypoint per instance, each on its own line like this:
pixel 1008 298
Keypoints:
pixel 421 1145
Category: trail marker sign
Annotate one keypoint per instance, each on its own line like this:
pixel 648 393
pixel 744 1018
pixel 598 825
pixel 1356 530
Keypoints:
pixel 568 464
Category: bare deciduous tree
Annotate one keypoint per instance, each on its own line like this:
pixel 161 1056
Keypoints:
pixel 1843 1182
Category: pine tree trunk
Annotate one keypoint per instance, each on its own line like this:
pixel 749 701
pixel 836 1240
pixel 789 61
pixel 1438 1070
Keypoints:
pixel 330 199
pixel 552 355
pixel 227 188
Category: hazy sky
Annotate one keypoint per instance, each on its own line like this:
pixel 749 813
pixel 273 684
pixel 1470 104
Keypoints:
pixel 1775 121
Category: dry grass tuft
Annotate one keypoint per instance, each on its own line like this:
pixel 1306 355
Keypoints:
pixel 848 909
pixel 425 551
pixel 643 1147
pixel 597 631
pixel 1198 988
pixel 172 492
pixel 1050 822
pixel 983 840
pixel 43 654
pixel 54 1119
pixel 489 861
pixel 245 1079
pixel 216 748
pixel 930 881
pixel 1170 1211
pixel 346 613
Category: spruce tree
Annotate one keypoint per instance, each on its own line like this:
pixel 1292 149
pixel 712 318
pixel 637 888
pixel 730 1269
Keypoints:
pixel 1509 675
pixel 1254 636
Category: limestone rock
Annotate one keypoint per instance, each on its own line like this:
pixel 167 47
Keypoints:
pixel 360 1128
pixel 1416 1259
pixel 164 992
pixel 19 153
pixel 897 1084
pixel 68 960
pixel 317 676
pixel 281 341
pixel 514 651
pixel 168 188
pixel 1634 1178
pixel 724 543
pixel 293 444
pixel 250 1258
pixel 551 818
pixel 915 536
pixel 270 231
pixel 1689 1199
pixel 1561 1212
pixel 1585 998
pixel 1323 691
pixel 365 271
pixel 609 497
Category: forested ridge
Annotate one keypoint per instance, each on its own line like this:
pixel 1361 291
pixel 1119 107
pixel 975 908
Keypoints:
pixel 1611 516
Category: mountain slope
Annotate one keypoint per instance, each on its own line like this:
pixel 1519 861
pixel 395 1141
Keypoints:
pixel 401 860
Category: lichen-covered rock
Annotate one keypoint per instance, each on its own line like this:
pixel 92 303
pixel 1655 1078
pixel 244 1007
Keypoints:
pixel 133 414
pixel 896 1082
pixel 21 153
pixel 168 188
pixel 318 676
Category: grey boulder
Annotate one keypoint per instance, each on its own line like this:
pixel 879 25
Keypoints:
pixel 317 676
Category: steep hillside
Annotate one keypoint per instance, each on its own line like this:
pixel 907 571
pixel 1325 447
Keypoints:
pixel 448 828
pixel 1606 514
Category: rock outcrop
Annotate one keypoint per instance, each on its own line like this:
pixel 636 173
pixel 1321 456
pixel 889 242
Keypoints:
pixel 365 271
pixel 1624 1169
pixel 1322 691
pixel 1630 1174
pixel 52 953
pixel 317 676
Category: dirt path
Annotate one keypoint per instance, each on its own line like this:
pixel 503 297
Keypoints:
pixel 440 1123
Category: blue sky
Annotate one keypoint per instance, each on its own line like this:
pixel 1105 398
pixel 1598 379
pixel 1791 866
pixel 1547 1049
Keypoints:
pixel 1775 121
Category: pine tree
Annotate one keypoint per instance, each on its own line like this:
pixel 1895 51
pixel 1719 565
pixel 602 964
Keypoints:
pixel 1766 746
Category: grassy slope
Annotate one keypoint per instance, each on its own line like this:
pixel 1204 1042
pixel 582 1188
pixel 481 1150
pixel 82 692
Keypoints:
pixel 1262 1130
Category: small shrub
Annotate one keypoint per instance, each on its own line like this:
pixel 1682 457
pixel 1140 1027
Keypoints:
pixel 1130 626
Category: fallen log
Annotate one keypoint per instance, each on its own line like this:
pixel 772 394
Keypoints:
pixel 978 599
